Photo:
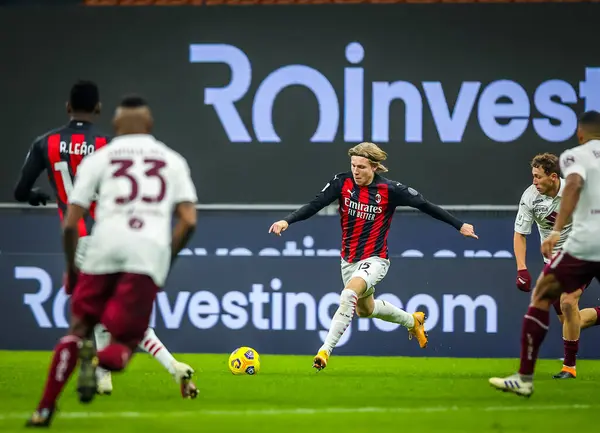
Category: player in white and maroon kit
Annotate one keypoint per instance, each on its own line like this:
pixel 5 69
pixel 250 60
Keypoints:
pixel 139 183
pixel 539 203
pixel 579 260
pixel 59 153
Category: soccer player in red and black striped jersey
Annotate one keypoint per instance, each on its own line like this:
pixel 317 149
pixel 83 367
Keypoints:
pixel 367 202
pixel 60 151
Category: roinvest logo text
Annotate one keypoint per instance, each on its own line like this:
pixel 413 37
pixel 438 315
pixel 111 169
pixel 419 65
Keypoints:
pixel 504 109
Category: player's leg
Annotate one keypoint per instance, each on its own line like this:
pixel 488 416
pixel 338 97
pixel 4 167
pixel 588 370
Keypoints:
pixel 340 321
pixel 126 318
pixel 181 372
pixel 101 335
pixel 354 277
pixel 569 305
pixel 134 293
pixel 563 274
pixel 589 317
pixel 87 304
pixel 359 281
pixel 370 307
pixel 103 377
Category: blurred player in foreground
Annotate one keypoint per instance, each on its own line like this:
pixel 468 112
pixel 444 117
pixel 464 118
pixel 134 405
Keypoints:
pixel 59 153
pixel 367 202
pixel 139 183
pixel 540 203
pixel 578 262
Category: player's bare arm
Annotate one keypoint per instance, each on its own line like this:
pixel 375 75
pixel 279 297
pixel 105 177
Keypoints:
pixel 520 250
pixel 71 233
pixel 184 228
pixel 573 186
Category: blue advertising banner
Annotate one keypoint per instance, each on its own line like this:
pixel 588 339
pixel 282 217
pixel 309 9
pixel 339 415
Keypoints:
pixel 236 285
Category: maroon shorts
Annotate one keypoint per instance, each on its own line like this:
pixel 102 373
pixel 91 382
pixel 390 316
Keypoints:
pixel 122 302
pixel 572 273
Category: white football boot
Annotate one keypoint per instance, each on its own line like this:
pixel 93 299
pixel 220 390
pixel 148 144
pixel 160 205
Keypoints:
pixel 182 373
pixel 514 384
pixel 104 381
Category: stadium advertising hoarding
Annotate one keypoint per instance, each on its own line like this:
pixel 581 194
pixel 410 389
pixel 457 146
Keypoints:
pixel 447 101
pixel 278 294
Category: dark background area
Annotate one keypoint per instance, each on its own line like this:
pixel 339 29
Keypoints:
pixel 146 50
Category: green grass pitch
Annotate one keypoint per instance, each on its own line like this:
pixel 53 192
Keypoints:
pixel 353 394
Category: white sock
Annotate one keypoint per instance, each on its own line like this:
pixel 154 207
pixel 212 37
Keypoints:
pixel 102 337
pixel 152 345
pixel 341 319
pixel 390 313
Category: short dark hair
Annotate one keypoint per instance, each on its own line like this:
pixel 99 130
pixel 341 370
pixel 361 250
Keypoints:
pixel 84 96
pixel 547 162
pixel 590 120
pixel 133 101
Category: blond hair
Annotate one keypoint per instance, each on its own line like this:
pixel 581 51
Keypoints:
pixel 372 152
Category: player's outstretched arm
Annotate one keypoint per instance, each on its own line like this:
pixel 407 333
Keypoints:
pixel 71 233
pixel 185 209
pixel 70 238
pixel 328 194
pixel 523 225
pixel 31 170
pixel 520 248
pixel 184 228
pixel 405 196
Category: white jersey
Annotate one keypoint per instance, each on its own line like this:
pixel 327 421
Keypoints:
pixel 541 209
pixel 138 181
pixel 584 160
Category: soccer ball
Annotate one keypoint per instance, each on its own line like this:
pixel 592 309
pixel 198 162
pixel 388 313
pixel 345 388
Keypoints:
pixel 244 360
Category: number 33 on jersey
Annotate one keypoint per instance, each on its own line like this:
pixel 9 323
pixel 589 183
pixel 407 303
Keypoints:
pixel 138 181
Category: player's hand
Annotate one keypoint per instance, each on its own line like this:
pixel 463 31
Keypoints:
pixel 549 244
pixel 70 280
pixel 524 280
pixel 37 197
pixel 468 231
pixel 279 227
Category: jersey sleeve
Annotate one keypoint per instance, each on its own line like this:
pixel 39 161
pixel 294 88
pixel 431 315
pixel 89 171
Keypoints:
pixel 524 219
pixel 185 190
pixel 329 193
pixel 33 166
pixel 402 195
pixel 87 181
pixel 571 163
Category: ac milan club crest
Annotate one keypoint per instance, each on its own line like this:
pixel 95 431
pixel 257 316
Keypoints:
pixel 377 198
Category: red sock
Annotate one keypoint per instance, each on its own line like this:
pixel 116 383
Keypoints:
pixel 571 349
pixel 535 327
pixel 114 357
pixel 64 360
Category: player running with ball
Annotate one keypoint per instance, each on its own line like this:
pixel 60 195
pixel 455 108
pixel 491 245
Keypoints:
pixel 367 202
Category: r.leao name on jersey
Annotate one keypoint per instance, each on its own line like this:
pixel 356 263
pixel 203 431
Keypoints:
pixel 76 148
pixel 362 210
